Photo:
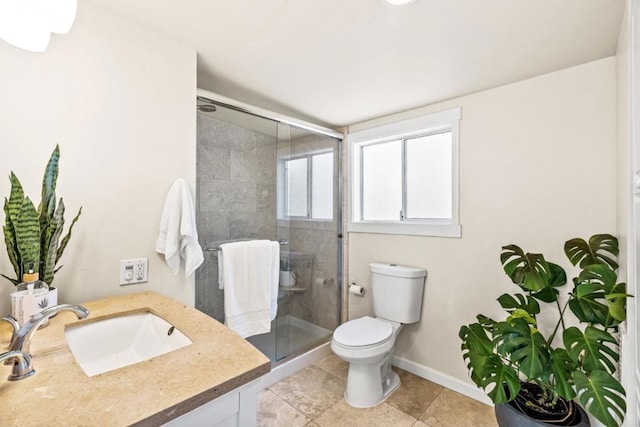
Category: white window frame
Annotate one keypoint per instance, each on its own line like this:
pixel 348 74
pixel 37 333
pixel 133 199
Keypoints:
pixel 430 124
pixel 283 185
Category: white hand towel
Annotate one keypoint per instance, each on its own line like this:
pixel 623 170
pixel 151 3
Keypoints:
pixel 250 285
pixel 220 271
pixel 178 237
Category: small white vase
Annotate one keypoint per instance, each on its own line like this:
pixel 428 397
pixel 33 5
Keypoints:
pixel 287 279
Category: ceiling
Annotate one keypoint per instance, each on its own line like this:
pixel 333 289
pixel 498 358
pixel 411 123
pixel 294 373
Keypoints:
pixel 339 62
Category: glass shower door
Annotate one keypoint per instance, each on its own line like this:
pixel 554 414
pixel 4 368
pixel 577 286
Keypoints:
pixel 308 217
pixel 261 179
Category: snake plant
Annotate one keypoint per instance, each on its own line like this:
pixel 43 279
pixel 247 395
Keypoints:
pixel 581 363
pixel 34 236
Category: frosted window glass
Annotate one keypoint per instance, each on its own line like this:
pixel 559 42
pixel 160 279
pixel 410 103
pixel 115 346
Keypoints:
pixel 296 181
pixel 322 186
pixel 429 175
pixel 382 181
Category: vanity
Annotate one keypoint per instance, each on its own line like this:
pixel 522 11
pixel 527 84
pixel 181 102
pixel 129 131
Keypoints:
pixel 213 381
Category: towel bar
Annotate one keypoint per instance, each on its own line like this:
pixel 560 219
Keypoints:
pixel 215 246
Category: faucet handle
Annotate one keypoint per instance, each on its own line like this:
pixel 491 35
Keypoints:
pixel 14 325
pixel 21 362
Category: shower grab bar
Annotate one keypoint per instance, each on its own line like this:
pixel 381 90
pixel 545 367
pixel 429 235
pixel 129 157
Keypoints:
pixel 215 246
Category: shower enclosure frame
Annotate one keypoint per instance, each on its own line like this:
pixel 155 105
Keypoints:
pixel 222 101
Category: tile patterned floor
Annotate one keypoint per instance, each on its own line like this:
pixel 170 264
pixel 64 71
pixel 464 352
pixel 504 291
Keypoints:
pixel 313 397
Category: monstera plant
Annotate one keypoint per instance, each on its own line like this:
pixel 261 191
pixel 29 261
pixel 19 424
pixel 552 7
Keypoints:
pixel 539 374
pixel 34 236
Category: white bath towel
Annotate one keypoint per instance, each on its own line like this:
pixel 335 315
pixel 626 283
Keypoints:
pixel 250 275
pixel 178 237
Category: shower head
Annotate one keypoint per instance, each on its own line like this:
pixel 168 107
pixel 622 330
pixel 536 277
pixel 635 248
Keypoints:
pixel 205 105
pixel 207 108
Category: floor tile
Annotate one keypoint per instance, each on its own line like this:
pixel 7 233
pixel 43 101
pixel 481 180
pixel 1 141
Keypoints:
pixel 311 390
pixel 334 365
pixel 453 409
pixel 381 415
pixel 275 412
pixel 420 424
pixel 312 424
pixel 414 395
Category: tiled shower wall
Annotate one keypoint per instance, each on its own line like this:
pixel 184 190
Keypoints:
pixel 236 193
pixel 236 184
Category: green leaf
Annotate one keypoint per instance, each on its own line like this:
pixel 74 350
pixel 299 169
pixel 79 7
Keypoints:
pixel 529 271
pixel 476 349
pixel 602 395
pixel 27 230
pixel 548 294
pixel 16 198
pixel 10 242
pixel 558 275
pixel 525 346
pixel 601 249
pixel 591 348
pixel 66 238
pixel 519 313
pixel 497 376
pixel 520 301
pixel 47 203
pixel 50 250
pixel 562 366
pixel 597 298
pixel 617 302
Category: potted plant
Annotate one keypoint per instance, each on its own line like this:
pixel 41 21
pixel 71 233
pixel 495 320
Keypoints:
pixel 34 236
pixel 533 375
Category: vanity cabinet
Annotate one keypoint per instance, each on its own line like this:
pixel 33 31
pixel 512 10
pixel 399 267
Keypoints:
pixel 238 408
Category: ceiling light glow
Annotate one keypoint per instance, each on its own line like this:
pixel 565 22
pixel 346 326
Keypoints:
pixel 397 2
pixel 28 24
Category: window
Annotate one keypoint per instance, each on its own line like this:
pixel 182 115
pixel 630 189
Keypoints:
pixel 404 177
pixel 308 186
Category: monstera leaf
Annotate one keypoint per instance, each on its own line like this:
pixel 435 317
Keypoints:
pixel 561 366
pixel 601 249
pixel 529 271
pixel 602 395
pixel 497 376
pixel 591 348
pixel 519 301
pixel 597 298
pixel 476 349
pixel 524 346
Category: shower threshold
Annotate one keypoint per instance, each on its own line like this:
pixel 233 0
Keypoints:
pixel 289 336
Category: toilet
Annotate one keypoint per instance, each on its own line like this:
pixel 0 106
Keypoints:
pixel 367 343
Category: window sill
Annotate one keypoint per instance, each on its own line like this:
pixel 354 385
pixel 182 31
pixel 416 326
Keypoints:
pixel 408 228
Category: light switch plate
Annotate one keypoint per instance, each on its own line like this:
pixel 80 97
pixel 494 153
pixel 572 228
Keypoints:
pixel 134 271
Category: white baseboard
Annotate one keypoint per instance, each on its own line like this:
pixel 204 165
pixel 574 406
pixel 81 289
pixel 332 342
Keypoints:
pixel 469 390
pixel 290 367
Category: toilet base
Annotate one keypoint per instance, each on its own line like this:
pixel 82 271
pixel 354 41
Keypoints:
pixel 368 385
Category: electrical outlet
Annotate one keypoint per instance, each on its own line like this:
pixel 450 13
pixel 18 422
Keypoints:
pixel 134 271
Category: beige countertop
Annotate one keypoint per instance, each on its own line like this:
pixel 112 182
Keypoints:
pixel 148 393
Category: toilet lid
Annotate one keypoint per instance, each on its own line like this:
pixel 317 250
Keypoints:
pixel 361 332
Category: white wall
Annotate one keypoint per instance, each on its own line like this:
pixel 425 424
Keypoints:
pixel 537 167
pixel 120 102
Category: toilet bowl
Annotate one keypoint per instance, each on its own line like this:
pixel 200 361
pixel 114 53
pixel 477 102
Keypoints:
pixel 367 344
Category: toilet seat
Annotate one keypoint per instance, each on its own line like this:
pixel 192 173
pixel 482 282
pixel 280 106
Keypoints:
pixel 363 333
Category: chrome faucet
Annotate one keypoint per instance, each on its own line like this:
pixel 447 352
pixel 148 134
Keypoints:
pixel 18 358
pixel 21 337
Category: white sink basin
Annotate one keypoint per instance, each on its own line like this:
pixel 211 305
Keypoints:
pixel 104 345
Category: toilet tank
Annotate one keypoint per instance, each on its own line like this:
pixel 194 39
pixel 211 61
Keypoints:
pixel 397 291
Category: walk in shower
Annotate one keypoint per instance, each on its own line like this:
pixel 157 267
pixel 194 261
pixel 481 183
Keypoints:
pixel 262 177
